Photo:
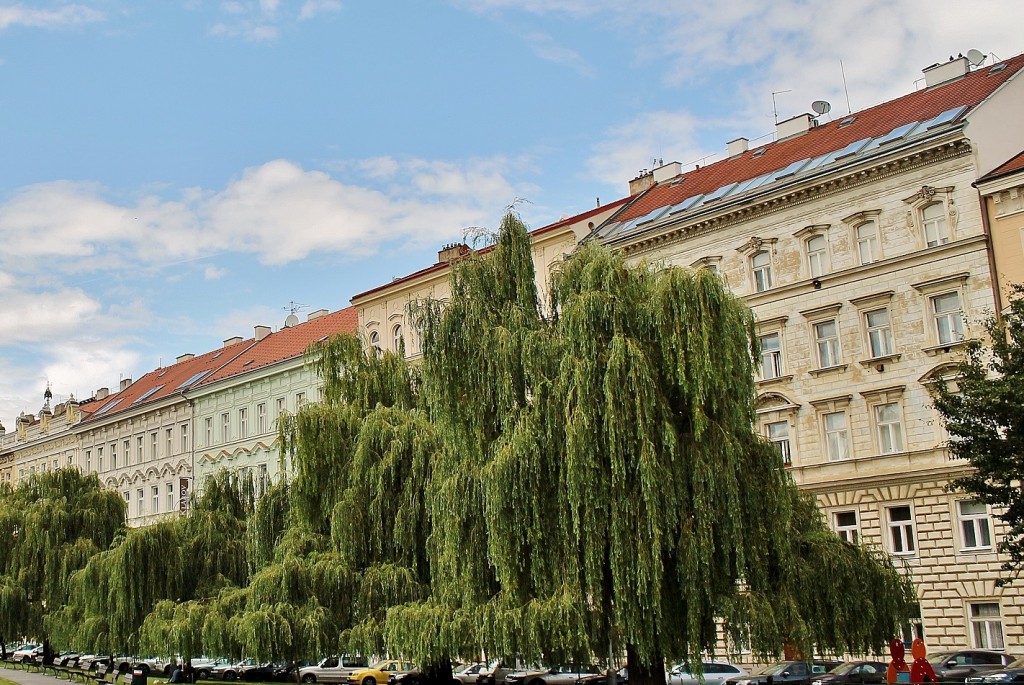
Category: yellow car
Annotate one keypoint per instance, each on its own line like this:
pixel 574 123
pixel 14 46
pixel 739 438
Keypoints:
pixel 379 673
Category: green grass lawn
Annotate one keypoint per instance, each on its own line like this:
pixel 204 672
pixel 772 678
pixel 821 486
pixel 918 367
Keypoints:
pixel 5 681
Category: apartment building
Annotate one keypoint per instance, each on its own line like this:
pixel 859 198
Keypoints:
pixel 860 244
pixel 1002 192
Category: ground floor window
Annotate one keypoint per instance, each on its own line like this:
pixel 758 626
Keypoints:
pixel 986 625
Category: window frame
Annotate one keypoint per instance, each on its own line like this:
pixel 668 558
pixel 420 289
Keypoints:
pixel 775 355
pixel 880 332
pixel 891 430
pixel 954 316
pixel 761 275
pixel 940 223
pixel 784 445
pixel 871 241
pixel 261 418
pixel 985 527
pixel 831 343
pixel 974 621
pixel 891 526
pixel 847 531
pixel 836 454
pixel 933 289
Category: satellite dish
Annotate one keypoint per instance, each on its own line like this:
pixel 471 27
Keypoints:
pixel 821 107
pixel 291 320
pixel 975 57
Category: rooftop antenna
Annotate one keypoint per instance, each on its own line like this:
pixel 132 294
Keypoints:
pixel 775 109
pixel 842 70
pixel 975 57
pixel 291 319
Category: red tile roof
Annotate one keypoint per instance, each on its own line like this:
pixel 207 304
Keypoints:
pixel 287 343
pixel 869 123
pixel 1008 167
pixel 167 381
pixel 536 232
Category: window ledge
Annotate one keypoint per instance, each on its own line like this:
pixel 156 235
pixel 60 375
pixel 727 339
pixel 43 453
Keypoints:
pixel 878 361
pixel 774 381
pixel 828 369
pixel 945 347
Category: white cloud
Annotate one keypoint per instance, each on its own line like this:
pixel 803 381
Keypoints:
pixel 213 273
pixel 263 20
pixel 545 47
pixel 312 8
pixel 60 16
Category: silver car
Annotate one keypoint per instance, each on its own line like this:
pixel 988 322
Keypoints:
pixel 715 673
pixel 334 669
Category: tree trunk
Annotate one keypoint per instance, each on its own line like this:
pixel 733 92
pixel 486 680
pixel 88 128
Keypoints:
pixel 3 648
pixel 437 674
pixel 641 673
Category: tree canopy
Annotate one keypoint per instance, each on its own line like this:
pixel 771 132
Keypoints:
pixel 981 409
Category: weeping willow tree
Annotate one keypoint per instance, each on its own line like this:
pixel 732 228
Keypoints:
pixel 113 599
pixel 599 487
pixel 51 525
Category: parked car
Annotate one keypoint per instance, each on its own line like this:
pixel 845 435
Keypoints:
pixel 204 667
pixel 959 665
pixel 713 673
pixel 853 673
pixel 789 672
pixel 334 669
pixel 1013 673
pixel 231 671
pixel 26 652
pixel 380 672
pixel 565 674
pixel 468 674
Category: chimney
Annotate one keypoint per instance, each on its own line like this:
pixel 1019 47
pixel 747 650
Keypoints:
pixel 233 341
pixel 667 171
pixel 451 252
pixel 316 315
pixel 101 393
pixel 801 123
pixel 738 147
pixel 125 382
pixel 184 357
pixel 643 181
pixel 940 73
pixel 262 332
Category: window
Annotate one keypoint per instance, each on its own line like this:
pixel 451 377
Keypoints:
pixel 933 219
pixel 156 499
pixel 771 356
pixel 169 489
pixel 901 529
pixel 127 497
pixel 761 269
pixel 243 422
pixel 184 438
pixel 375 340
pixel 88 461
pixel 280 406
pixel 890 429
pixel 867 242
pixel 836 436
pixel 396 337
pixel 208 424
pixel 152 445
pixel 879 333
pixel 949 322
pixel 113 455
pixel 300 399
pixel 99 457
pixel 261 418
pixel 225 426
pixel 169 434
pixel 974 525
pixel 826 335
pixel 139 449
pixel 778 435
pixel 264 480
pixel 127 446
pixel 846 526
pixel 140 503
pixel 817 256
pixel 986 625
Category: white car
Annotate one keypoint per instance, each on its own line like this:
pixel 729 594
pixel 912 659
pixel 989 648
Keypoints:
pixel 715 673
pixel 334 669
pixel 26 652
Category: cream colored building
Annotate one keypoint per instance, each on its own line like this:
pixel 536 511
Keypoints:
pixel 1002 191
pixel 383 312
pixel 41 442
pixel 861 247
pixel 236 409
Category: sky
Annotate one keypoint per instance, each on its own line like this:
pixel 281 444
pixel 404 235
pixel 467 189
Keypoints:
pixel 174 173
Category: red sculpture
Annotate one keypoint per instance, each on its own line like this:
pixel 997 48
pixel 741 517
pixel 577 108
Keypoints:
pixel 921 671
pixel 897 665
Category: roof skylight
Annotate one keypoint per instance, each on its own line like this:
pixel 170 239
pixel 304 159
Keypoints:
pixel 192 379
pixel 148 393
pixel 108 406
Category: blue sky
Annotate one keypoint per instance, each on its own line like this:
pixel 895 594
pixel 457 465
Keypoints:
pixel 175 172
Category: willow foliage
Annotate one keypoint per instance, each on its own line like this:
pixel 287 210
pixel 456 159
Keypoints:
pixel 599 483
pixel 51 525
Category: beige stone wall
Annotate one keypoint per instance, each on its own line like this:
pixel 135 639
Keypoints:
pixel 1005 202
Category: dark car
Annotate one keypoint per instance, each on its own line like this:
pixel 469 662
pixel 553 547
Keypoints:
pixel 853 673
pixel 789 672
pixel 959 665
pixel 1013 673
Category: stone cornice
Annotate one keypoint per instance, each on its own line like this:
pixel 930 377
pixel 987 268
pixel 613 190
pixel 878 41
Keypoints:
pixel 824 187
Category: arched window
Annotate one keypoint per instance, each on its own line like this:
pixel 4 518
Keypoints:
pixel 761 267
pixel 396 337
pixel 933 220
pixel 375 340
